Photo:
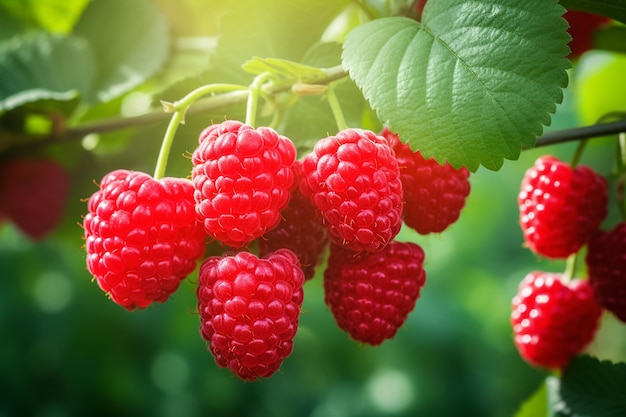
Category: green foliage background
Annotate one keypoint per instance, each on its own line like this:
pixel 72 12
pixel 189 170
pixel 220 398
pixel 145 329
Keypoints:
pixel 65 350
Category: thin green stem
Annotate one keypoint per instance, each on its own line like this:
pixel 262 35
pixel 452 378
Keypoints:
pixel 621 173
pixel 19 142
pixel 166 145
pixel 621 138
pixel 570 266
pixel 336 108
pixel 179 109
pixel 600 124
pixel 276 118
pixel 184 103
pixel 580 149
pixel 253 97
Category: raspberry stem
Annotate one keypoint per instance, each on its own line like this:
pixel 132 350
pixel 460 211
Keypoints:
pixel 622 149
pixel 596 130
pixel 621 173
pixel 276 118
pixel 336 108
pixel 580 149
pixel 253 97
pixel 166 145
pixel 179 108
pixel 570 267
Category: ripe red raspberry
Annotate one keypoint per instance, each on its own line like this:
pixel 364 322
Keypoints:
pixel 560 207
pixel 553 320
pixel 300 231
pixel 606 266
pixel 354 181
pixel 249 310
pixel 33 194
pixel 582 26
pixel 242 178
pixel 142 237
pixel 371 294
pixel 434 194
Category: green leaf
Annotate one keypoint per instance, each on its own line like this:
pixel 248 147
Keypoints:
pixel 594 388
pixel 536 405
pixel 9 26
pixel 116 46
pixel 40 66
pixel 282 29
pixel 130 40
pixel 56 16
pixel 472 84
pixel 352 16
pixel 282 68
pixel 615 9
pixel 546 401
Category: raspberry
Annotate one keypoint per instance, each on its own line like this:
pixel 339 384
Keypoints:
pixel 560 207
pixel 249 310
pixel 582 26
pixel 418 9
pixel 142 237
pixel 553 320
pixel 300 231
pixel 354 181
pixel 434 194
pixel 242 178
pixel 371 294
pixel 606 266
pixel 33 194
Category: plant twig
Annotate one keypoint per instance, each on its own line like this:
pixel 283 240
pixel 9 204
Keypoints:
pixel 239 97
pixel 570 267
pixel 30 141
pixel 579 133
pixel 253 97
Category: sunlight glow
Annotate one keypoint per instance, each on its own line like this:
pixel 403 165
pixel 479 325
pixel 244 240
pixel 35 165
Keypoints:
pixel 52 292
pixel 391 391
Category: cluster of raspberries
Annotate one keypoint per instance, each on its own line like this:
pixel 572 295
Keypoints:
pixel 276 217
pixel 562 208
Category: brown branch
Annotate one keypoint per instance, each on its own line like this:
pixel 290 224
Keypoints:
pixel 580 133
pixel 205 105
pixel 213 103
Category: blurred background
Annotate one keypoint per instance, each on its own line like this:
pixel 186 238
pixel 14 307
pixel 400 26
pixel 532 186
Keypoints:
pixel 66 350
